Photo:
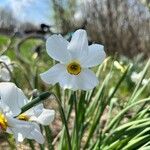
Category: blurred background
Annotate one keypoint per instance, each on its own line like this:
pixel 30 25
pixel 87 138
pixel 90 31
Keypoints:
pixel 123 26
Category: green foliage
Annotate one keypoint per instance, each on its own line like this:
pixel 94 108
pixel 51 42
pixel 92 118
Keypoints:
pixel 113 116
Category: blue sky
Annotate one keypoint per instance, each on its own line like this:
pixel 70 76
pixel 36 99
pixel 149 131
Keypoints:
pixel 35 11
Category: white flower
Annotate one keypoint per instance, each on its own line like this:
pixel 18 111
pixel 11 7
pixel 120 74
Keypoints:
pixel 75 58
pixel 4 71
pixel 135 77
pixel 11 100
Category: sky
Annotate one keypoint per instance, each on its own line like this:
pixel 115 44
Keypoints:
pixel 40 11
pixel 35 11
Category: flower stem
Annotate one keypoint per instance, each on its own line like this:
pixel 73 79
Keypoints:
pixel 35 101
pixel 64 120
pixel 49 137
pixel 58 91
pixel 76 120
pixel 31 144
pixel 41 147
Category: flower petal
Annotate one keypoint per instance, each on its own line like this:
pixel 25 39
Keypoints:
pixel 45 118
pixel 22 99
pixel 37 136
pixel 68 81
pixel 52 75
pixel 5 59
pixel 20 129
pixel 56 47
pixel 96 55
pixel 41 115
pixel 4 75
pixel 5 109
pixel 78 45
pixel 24 129
pixel 9 96
pixel 86 80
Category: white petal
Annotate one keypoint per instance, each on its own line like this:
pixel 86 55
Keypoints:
pixel 30 112
pixel 45 118
pixel 38 109
pixel 9 96
pixel 22 99
pixel 52 75
pixel 78 45
pixel 68 81
pixel 4 75
pixel 5 109
pixel 41 115
pixel 5 59
pixel 20 129
pixel 19 137
pixel 56 47
pixel 96 55
pixel 24 129
pixel 86 80
pixel 34 111
pixel 37 136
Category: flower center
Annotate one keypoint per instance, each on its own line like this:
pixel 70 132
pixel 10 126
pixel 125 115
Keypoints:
pixel 74 68
pixel 3 122
pixel 23 117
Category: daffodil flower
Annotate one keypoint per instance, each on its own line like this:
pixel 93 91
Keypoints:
pixel 11 100
pixel 75 58
pixel 4 72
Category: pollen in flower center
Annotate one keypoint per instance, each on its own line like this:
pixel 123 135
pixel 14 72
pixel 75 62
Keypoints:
pixel 23 117
pixel 3 122
pixel 74 68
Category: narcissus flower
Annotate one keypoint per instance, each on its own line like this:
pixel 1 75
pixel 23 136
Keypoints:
pixel 11 100
pixel 75 58
pixel 5 68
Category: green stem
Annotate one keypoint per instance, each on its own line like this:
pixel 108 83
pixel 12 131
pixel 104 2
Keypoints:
pixel 49 137
pixel 64 120
pixel 35 101
pixel 58 91
pixel 69 110
pixel 41 147
pixel 31 144
pixel 76 120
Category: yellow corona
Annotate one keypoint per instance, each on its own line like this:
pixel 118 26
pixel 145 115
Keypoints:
pixel 23 117
pixel 3 122
pixel 74 68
